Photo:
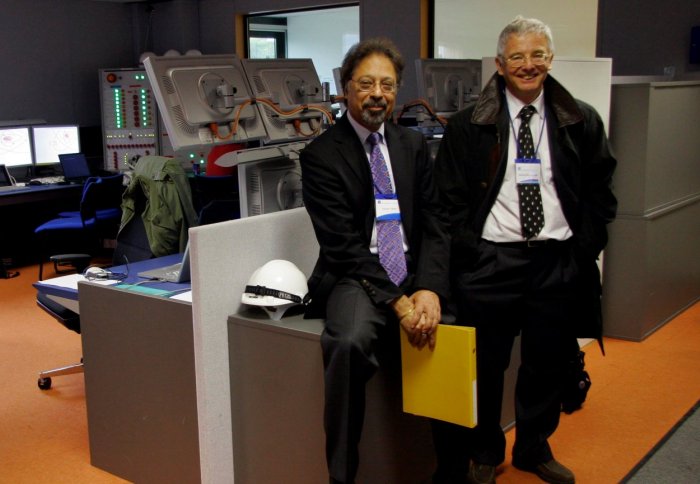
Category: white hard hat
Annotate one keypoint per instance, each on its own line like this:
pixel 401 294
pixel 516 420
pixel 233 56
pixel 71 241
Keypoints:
pixel 276 286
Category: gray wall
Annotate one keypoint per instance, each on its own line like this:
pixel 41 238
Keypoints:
pixel 51 50
pixel 644 36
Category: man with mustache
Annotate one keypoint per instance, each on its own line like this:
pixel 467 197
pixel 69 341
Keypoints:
pixel 368 187
pixel 525 173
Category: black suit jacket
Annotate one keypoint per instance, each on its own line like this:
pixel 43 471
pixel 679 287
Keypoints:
pixel 338 194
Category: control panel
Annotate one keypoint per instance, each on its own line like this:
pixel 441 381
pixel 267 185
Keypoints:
pixel 129 117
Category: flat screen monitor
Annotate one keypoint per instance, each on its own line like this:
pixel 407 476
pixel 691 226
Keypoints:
pixel 51 141
pixel 15 147
pixel 75 167
pixel 448 84
pixel 292 101
pixel 269 185
pixel 204 100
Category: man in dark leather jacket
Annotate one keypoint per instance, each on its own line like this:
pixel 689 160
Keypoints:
pixel 545 286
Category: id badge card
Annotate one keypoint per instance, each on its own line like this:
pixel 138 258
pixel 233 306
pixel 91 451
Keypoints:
pixel 527 171
pixel 387 207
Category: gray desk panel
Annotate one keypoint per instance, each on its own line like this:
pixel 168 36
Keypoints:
pixel 277 410
pixel 140 385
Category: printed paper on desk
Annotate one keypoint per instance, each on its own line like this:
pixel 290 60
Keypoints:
pixel 71 281
pixel 441 384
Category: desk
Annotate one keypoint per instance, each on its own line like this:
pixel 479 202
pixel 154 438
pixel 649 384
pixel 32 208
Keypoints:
pixel 276 372
pixel 41 193
pixel 139 379
pixel 68 296
pixel 277 409
pixel 23 210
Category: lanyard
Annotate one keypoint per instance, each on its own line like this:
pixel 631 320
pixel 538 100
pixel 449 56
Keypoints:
pixel 539 138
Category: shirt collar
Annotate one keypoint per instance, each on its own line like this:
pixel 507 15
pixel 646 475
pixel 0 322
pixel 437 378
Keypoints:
pixel 361 131
pixel 515 104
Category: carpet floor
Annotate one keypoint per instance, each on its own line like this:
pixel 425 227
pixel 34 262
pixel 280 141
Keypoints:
pixel 640 392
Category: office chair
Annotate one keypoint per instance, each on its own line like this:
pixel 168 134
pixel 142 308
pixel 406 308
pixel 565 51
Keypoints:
pixel 103 212
pixel 132 246
pixel 132 241
pixel 70 320
pixel 216 198
pixel 98 219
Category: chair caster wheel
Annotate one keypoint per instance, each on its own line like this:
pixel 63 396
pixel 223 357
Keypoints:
pixel 44 383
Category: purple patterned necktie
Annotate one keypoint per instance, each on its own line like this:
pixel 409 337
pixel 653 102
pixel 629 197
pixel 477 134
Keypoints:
pixel 389 240
pixel 531 212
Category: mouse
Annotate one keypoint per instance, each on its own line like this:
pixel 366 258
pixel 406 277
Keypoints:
pixel 34 182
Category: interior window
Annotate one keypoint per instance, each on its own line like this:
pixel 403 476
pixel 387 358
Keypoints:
pixel 324 35
pixel 267 37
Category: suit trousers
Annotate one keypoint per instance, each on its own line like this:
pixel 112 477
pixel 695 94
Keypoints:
pixel 357 336
pixel 514 289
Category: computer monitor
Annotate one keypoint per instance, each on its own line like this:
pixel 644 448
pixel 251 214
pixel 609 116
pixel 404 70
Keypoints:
pixel 75 167
pixel 51 141
pixel 448 84
pixel 269 184
pixel 292 101
pixel 15 146
pixel 204 100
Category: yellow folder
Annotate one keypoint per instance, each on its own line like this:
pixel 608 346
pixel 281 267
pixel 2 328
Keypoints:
pixel 441 384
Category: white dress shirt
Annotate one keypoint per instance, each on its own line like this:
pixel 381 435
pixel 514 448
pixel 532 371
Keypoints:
pixel 503 222
pixel 363 134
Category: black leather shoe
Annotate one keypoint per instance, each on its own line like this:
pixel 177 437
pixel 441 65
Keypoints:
pixel 481 474
pixel 552 472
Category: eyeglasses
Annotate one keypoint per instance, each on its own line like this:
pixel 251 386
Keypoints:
pixel 367 85
pixel 537 59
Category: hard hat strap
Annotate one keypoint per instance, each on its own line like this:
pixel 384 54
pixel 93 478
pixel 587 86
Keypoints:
pixel 266 291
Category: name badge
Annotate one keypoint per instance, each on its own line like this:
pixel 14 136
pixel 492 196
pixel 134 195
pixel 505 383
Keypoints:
pixel 387 208
pixel 527 171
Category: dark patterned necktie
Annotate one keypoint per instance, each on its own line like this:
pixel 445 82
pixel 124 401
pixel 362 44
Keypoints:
pixel 389 240
pixel 531 211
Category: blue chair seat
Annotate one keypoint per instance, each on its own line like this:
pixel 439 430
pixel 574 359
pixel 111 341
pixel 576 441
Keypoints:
pixel 101 213
pixel 65 223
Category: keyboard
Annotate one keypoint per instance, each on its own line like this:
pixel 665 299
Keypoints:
pixel 48 180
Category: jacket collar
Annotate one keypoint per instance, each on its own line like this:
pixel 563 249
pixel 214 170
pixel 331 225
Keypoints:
pixel 489 105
